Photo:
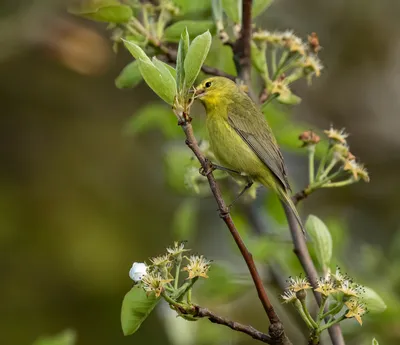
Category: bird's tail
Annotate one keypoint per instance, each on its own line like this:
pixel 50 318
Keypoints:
pixel 290 208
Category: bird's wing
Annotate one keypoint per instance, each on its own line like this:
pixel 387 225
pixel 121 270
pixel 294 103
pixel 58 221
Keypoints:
pixel 251 125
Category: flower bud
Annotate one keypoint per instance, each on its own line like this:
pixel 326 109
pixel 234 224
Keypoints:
pixel 137 271
pixel 309 138
pixel 313 43
pixel 301 295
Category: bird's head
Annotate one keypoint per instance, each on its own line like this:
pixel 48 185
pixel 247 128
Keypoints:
pixel 215 90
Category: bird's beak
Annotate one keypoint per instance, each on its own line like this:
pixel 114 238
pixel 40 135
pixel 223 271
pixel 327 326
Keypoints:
pixel 198 93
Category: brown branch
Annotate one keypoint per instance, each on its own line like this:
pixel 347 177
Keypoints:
pixel 300 195
pixel 249 330
pixel 301 250
pixel 241 48
pixel 215 71
pixel 171 55
pixel 276 328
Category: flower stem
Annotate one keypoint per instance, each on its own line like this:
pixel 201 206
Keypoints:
pixel 307 314
pixel 330 324
pixel 286 64
pixel 340 183
pixel 298 305
pixel 146 18
pixel 321 308
pixel 321 183
pixel 171 301
pixel 269 100
pixel 328 168
pixel 184 288
pixel 169 288
pixel 311 154
pixel 177 271
pixel 322 163
pixel 161 23
pixel 283 58
pixel 296 75
pixel 273 60
pixel 263 48
pixel 333 311
pixel 139 27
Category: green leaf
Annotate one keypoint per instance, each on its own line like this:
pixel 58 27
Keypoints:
pixel 180 70
pixel 164 67
pixel 160 81
pixel 194 27
pixel 372 300
pixel 258 58
pixel 67 337
pixel 130 76
pixel 137 52
pixel 154 116
pixel 159 77
pixel 217 10
pixel 110 11
pixel 233 9
pixel 321 239
pixel 185 219
pixel 194 6
pixel 375 342
pixel 136 307
pixel 259 6
pixel 195 57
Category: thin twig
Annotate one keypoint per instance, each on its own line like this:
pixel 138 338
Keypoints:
pixel 171 55
pixel 218 72
pixel 249 330
pixel 276 328
pixel 301 250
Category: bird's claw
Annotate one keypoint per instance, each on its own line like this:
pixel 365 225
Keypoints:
pixel 205 172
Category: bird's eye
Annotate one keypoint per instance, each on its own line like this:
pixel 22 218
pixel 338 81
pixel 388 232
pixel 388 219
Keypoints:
pixel 208 84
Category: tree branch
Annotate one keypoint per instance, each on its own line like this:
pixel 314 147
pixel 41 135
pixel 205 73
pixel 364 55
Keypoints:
pixel 249 330
pixel 241 48
pixel 171 55
pixel 299 196
pixel 276 330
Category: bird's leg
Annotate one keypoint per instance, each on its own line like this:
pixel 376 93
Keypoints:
pixel 211 167
pixel 219 167
pixel 246 187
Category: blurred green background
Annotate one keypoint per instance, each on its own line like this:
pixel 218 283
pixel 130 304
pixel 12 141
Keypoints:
pixel 80 200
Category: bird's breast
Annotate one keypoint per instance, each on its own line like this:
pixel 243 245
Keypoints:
pixel 230 149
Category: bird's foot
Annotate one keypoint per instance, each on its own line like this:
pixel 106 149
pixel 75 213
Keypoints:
pixel 205 171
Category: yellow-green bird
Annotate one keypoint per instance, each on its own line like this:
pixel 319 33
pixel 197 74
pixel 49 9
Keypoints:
pixel 241 138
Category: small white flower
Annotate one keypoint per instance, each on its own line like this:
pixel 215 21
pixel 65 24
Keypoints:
pixel 298 284
pixel 349 289
pixel 177 249
pixel 198 266
pixel 288 296
pixel 325 286
pixel 137 271
pixel 337 135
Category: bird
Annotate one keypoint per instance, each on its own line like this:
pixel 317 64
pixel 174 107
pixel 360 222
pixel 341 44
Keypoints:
pixel 241 139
